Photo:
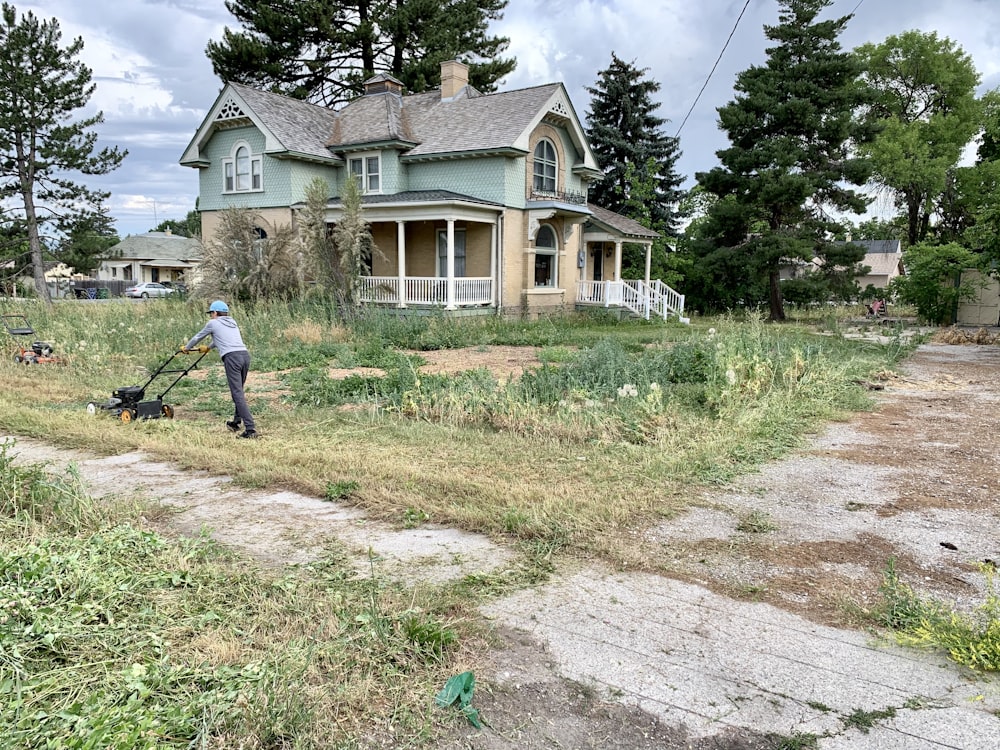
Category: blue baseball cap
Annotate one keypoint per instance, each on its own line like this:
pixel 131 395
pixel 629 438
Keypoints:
pixel 218 306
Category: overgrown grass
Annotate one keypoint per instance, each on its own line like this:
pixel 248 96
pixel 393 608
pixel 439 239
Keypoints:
pixel 113 637
pixel 972 639
pixel 604 433
pixel 608 433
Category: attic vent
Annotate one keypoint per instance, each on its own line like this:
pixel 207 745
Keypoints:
pixel 230 110
pixel 383 83
pixel 560 109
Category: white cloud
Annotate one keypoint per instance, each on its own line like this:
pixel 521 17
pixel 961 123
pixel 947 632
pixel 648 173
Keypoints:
pixel 154 83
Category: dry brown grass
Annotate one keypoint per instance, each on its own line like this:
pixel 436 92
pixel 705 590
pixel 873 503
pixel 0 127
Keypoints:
pixel 959 336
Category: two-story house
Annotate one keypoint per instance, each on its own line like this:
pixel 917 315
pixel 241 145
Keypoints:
pixel 476 202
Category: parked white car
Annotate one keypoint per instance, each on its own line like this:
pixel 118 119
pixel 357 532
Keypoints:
pixel 149 289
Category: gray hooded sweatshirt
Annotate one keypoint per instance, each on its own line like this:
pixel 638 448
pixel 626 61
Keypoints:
pixel 225 335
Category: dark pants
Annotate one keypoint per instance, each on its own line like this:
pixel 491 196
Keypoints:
pixel 237 366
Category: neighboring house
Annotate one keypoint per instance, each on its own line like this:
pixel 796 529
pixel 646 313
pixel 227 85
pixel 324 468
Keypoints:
pixel 476 202
pixel 154 256
pixel 57 276
pixel 884 258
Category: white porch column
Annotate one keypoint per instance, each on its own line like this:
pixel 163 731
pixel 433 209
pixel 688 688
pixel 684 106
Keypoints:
pixel 450 279
pixel 493 262
pixel 401 261
pixel 618 260
pixel 649 255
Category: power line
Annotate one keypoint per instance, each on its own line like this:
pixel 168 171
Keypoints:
pixel 712 71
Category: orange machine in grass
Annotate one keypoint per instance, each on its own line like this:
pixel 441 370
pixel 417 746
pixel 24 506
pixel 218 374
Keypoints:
pixel 35 353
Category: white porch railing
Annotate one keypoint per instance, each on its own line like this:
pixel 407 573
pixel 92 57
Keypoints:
pixel 426 290
pixel 644 300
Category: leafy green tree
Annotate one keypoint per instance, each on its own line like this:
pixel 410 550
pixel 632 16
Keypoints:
pixel 932 283
pixel 43 85
pixel 791 162
pixel 926 111
pixel 190 226
pixel 631 149
pixel 323 51
pixel 879 229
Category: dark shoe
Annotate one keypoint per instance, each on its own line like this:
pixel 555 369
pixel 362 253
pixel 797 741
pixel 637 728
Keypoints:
pixel 233 426
pixel 249 434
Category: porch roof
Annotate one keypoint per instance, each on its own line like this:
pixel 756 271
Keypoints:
pixel 609 221
pixel 417 197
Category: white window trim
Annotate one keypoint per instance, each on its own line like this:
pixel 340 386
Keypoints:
pixel 552 251
pixel 229 170
pixel 366 175
pixel 554 163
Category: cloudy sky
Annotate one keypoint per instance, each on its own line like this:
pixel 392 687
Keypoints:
pixel 154 83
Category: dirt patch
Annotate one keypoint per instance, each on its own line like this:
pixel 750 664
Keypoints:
pixel 915 481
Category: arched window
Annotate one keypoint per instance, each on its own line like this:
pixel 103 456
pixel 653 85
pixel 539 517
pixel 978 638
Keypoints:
pixel 242 171
pixel 546 167
pixel 546 252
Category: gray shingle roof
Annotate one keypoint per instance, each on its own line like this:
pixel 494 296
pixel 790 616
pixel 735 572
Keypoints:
pixel 153 245
pixel 301 127
pixel 478 123
pixel 877 246
pixel 621 224
pixel 425 124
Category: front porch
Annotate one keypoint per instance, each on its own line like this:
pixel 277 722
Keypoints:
pixel 652 300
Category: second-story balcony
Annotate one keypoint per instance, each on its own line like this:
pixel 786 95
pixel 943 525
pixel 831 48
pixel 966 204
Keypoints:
pixel 562 196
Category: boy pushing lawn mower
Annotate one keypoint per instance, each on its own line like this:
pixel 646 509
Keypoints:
pixel 226 338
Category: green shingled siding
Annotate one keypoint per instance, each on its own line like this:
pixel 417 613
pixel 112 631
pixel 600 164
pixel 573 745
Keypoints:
pixel 573 156
pixel 284 180
pixel 483 178
pixel 302 173
pixel 394 176
pixel 514 182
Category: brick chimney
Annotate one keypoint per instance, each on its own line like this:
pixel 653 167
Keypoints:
pixel 454 77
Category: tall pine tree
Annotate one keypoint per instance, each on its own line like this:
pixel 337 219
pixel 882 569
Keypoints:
pixel 628 140
pixel 43 84
pixel 792 130
pixel 323 50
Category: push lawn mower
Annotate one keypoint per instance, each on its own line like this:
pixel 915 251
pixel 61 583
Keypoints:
pixel 39 353
pixel 130 402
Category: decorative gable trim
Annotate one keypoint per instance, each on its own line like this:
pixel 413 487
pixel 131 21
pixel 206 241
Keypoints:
pixel 230 109
pixel 558 110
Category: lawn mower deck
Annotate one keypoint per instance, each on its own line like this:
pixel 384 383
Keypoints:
pixel 39 352
pixel 129 402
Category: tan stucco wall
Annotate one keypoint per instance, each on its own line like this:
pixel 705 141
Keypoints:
pixel 268 220
pixel 519 266
pixel 421 248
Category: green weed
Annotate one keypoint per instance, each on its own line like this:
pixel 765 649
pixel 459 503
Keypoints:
pixel 971 639
pixel 756 522
pixel 865 720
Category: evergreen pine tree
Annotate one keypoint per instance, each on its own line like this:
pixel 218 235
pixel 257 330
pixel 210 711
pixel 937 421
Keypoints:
pixel 792 127
pixel 323 51
pixel 628 141
pixel 43 84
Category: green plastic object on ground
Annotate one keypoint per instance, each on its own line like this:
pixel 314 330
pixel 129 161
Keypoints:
pixel 460 688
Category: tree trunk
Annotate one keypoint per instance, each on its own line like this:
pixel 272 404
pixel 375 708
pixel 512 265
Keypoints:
pixel 777 303
pixel 35 246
